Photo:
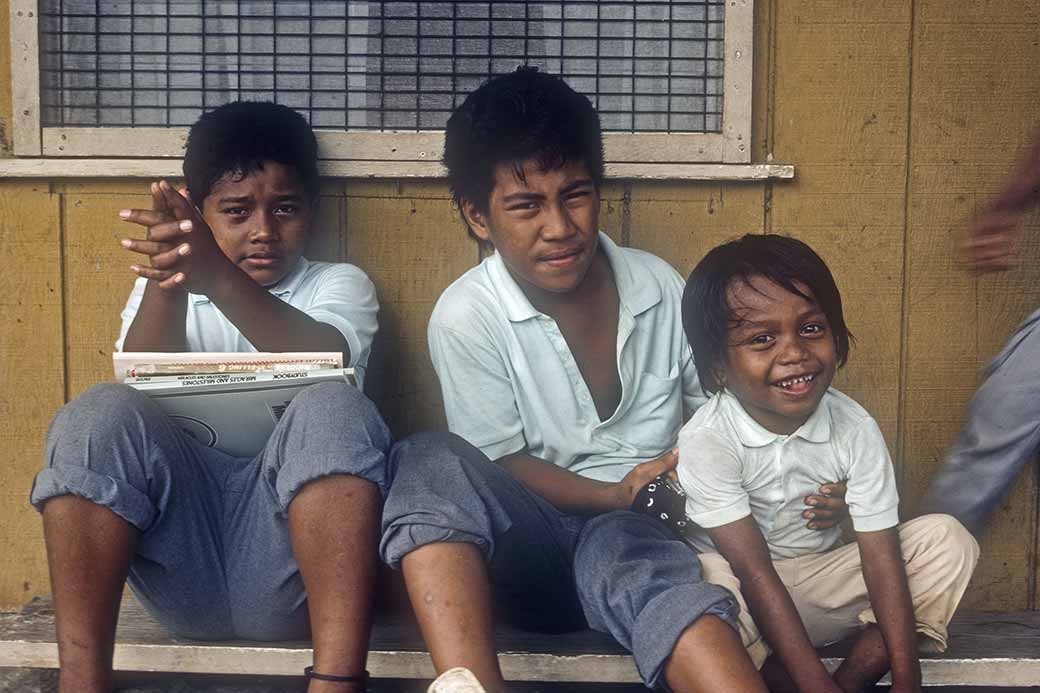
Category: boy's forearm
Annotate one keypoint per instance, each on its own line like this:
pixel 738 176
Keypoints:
pixel 271 324
pixel 742 545
pixel 884 573
pixel 567 491
pixel 159 323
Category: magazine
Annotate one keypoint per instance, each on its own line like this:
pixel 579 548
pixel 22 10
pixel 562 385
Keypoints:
pixel 228 401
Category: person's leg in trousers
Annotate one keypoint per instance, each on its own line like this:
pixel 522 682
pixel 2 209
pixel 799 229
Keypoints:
pixel 467 535
pixel 126 494
pixel 644 586
pixel 303 530
pixel 999 438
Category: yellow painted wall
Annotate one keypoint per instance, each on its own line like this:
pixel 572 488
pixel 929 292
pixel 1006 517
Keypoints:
pixel 900 116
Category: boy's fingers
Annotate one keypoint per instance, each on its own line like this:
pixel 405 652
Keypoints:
pixel 158 199
pixel 171 231
pixel 151 272
pixel 837 490
pixel 174 282
pixel 179 206
pixel 144 217
pixel 170 258
pixel 137 245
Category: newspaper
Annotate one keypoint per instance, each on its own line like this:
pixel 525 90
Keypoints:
pixel 228 401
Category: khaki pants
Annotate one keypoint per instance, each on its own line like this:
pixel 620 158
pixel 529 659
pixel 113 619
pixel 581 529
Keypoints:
pixel 831 597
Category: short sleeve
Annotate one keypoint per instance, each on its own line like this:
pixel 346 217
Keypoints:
pixel 133 304
pixel 345 298
pixel 872 496
pixel 710 473
pixel 479 401
pixel 693 396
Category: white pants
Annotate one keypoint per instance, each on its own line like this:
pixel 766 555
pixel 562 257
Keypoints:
pixel 831 596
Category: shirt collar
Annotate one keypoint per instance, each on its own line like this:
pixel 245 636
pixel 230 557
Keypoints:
pixel 816 429
pixel 283 289
pixel 636 296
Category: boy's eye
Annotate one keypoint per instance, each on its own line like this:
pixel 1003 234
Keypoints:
pixel 814 328
pixel 235 211
pixel 522 206
pixel 760 340
pixel 286 209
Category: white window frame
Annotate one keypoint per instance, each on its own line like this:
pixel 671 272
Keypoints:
pixel 149 151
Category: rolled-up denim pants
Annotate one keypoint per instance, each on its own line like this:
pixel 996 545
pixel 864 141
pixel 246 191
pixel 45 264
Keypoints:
pixel 621 573
pixel 214 559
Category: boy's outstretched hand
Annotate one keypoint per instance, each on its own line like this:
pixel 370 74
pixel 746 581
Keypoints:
pixel 180 246
pixel 827 508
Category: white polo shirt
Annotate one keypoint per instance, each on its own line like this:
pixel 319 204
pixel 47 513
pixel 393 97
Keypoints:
pixel 511 383
pixel 338 294
pixel 732 467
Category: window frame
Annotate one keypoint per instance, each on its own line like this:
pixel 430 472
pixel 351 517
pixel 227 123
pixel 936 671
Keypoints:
pixel 389 153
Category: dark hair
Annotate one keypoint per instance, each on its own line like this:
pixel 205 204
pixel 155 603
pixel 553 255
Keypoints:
pixel 237 138
pixel 515 117
pixel 784 261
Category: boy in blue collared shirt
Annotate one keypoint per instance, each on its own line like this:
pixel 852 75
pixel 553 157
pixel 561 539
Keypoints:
pixel 561 358
pixel 216 547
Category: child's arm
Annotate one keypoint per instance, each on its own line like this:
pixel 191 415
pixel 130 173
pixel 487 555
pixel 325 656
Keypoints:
pixel 269 323
pixel 885 574
pixel 741 543
pixel 159 322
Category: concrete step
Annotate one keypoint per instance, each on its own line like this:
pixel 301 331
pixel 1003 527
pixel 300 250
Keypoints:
pixel 986 649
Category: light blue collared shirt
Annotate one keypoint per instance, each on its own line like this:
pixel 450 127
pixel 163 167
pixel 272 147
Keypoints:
pixel 511 383
pixel 335 293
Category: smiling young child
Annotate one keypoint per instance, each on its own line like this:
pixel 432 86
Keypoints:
pixel 764 319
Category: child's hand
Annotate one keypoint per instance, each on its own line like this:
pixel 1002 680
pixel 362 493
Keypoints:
pixel 183 252
pixel 642 474
pixel 162 233
pixel 827 508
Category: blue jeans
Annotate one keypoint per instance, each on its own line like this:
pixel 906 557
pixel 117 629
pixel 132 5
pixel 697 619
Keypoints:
pixel 621 573
pixel 214 559
pixel 1000 437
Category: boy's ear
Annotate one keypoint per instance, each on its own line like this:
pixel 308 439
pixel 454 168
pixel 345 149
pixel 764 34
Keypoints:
pixel 476 219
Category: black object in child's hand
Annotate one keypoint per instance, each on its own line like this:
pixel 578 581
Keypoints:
pixel 664 499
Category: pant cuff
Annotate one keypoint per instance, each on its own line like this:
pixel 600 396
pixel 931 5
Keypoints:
pixel 115 494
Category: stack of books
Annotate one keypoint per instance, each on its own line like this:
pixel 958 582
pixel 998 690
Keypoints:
pixel 228 401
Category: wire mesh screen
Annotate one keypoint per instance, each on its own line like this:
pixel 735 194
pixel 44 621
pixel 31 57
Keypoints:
pixel 646 65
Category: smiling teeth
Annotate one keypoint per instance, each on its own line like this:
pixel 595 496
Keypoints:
pixel 795 381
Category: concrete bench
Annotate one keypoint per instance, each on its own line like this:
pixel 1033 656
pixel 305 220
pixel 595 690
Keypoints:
pixel 991 649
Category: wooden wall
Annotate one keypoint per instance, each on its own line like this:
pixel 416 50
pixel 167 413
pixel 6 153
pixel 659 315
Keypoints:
pixel 901 117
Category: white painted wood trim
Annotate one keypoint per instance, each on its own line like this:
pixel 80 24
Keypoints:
pixel 662 147
pixel 25 77
pixel 59 168
pixel 115 142
pixel 737 81
pixel 423 146
pixel 157 142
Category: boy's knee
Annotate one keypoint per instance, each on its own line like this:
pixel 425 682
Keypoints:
pixel 946 542
pixel 103 408
pixel 328 395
